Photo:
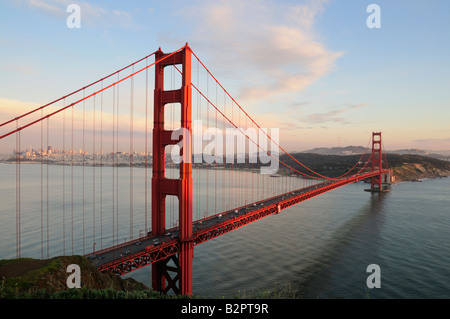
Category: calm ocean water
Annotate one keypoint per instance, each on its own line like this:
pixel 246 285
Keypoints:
pixel 317 249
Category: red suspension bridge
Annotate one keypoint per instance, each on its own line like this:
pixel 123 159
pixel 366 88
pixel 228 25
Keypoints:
pixel 90 192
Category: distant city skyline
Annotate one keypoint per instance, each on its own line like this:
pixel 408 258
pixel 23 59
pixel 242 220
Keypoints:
pixel 313 69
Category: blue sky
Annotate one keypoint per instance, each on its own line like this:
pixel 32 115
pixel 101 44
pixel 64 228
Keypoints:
pixel 311 68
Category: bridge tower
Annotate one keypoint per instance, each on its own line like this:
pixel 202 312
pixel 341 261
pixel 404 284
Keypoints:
pixel 377 161
pixel 377 164
pixel 162 279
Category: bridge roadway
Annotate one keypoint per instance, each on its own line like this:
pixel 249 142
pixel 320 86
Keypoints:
pixel 138 253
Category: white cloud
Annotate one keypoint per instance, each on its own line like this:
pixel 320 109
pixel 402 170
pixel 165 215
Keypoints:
pixel 333 115
pixel 50 7
pixel 270 46
pixel 11 108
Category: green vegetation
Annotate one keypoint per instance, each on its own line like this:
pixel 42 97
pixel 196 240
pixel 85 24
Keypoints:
pixel 81 293
pixel 406 167
pixel 34 270
pixel 396 160
pixel 415 167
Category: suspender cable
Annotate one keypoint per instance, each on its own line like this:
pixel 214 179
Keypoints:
pixel 117 158
pixel 215 170
pixel 48 239
pixel 93 176
pixel 64 179
pixel 83 159
pixel 323 177
pixel 113 192
pixel 207 164
pixel 199 147
pixel 101 168
pixel 131 155
pixel 223 164
pixel 85 97
pixel 146 149
pixel 41 153
pixel 79 90
pixel 17 192
pixel 71 180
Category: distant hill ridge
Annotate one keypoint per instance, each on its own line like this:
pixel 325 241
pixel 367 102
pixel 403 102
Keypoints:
pixel 354 150
pixel 348 150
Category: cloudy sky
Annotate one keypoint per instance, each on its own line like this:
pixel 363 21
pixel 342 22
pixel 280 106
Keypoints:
pixel 313 69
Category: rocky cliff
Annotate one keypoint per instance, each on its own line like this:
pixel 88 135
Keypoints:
pixel 416 171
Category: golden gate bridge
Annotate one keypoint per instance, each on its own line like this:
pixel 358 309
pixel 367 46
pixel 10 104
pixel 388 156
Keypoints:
pixel 87 209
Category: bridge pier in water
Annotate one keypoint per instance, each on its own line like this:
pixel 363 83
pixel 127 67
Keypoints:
pixel 181 187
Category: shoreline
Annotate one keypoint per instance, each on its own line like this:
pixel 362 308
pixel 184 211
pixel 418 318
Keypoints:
pixel 405 173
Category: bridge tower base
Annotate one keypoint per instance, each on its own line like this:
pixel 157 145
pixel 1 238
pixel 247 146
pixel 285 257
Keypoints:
pixel 181 264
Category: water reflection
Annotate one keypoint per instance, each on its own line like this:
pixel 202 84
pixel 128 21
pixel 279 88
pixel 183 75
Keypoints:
pixel 317 279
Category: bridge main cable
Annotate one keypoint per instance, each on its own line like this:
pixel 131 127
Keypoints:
pixel 259 128
pixel 84 98
pixel 301 164
pixel 337 178
pixel 74 92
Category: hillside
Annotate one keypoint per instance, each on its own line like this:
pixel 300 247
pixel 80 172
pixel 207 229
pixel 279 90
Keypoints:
pixel 353 150
pixel 405 167
pixel 416 167
pixel 33 278
pixel 348 150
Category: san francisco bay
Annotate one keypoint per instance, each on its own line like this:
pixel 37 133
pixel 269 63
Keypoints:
pixel 320 248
